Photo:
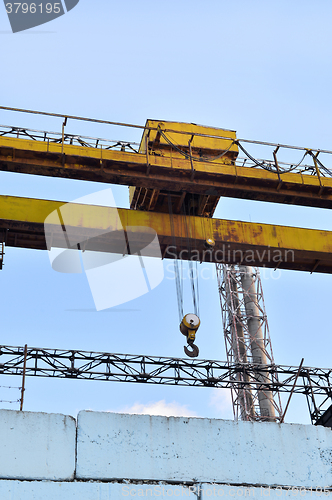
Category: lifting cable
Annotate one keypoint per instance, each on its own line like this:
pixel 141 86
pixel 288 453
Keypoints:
pixel 178 275
pixel 189 323
pixel 193 271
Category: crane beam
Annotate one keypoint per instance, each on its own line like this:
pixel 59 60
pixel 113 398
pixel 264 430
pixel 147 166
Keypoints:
pixel 163 173
pixel 184 237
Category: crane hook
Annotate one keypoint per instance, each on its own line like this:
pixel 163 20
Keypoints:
pixel 192 354
pixel 188 327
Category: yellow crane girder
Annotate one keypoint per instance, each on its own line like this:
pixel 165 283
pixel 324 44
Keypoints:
pixel 163 173
pixel 197 238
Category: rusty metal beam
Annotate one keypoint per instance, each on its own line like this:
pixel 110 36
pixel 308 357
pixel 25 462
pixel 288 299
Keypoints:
pixel 165 173
pixel 235 241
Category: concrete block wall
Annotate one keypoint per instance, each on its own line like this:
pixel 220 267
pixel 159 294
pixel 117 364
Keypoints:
pixel 114 446
pixel 106 456
pixel 37 446
pixel 35 490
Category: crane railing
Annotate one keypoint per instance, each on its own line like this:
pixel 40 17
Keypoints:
pixel 320 163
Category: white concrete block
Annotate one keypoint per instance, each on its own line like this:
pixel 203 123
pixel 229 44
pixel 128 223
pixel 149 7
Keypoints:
pixel 217 491
pixel 47 490
pixel 37 446
pixel 142 447
pixel 204 491
pixel 40 490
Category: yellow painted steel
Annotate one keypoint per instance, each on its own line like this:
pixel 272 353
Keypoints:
pixel 305 248
pixel 53 147
pixel 126 165
pixel 201 139
pixel 189 329
pixel 27 209
pixel 180 141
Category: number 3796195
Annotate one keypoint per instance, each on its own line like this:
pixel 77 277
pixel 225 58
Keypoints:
pixel 33 8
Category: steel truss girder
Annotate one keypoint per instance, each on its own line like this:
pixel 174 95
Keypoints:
pixel 314 383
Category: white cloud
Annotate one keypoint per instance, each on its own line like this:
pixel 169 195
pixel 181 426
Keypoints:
pixel 221 401
pixel 173 409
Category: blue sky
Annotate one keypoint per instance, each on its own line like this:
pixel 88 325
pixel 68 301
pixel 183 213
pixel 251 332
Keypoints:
pixel 260 68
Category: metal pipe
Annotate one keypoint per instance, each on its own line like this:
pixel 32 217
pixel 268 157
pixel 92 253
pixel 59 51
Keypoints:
pixel 257 342
pixel 23 375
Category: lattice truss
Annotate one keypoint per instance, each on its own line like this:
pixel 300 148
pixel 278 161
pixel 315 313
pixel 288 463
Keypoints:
pixel 314 383
pixel 247 340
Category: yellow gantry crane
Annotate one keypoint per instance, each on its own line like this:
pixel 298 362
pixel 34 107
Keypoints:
pixel 194 166
pixel 177 174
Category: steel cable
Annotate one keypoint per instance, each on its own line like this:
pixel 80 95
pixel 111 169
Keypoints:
pixel 179 291
pixel 194 158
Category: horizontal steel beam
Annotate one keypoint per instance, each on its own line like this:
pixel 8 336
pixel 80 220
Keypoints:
pixel 156 369
pixel 88 365
pixel 163 172
pixel 107 229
